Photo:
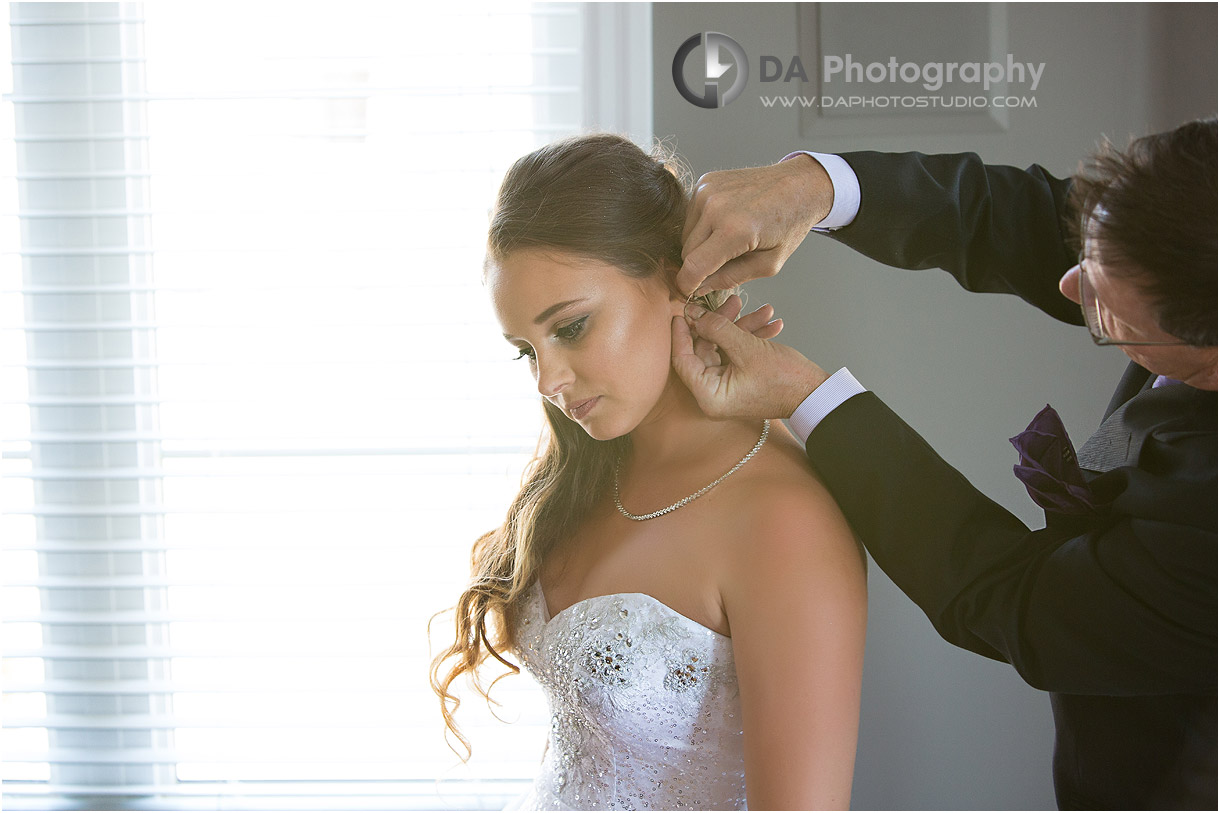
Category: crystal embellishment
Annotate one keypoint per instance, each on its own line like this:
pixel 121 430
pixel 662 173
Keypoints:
pixel 685 674
pixel 607 661
pixel 645 713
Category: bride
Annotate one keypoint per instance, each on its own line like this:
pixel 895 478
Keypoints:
pixel 685 591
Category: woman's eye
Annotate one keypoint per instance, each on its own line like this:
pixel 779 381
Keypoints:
pixel 572 330
pixel 525 352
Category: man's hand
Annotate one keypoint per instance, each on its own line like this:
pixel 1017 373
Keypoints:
pixel 761 322
pixel 734 374
pixel 743 224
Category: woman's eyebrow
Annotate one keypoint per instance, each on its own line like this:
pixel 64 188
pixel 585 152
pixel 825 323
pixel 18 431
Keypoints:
pixel 554 309
pixel 548 313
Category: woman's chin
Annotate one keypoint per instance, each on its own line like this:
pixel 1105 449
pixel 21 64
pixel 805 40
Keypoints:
pixel 603 430
pixel 603 436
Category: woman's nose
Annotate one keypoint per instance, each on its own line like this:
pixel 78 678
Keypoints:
pixel 554 374
pixel 1069 284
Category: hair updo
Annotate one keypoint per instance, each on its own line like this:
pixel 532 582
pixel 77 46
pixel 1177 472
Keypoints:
pixel 597 196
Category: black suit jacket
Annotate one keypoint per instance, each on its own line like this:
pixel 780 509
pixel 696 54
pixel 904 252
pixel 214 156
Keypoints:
pixel 1114 615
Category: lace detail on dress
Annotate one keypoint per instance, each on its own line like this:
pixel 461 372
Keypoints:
pixel 645 713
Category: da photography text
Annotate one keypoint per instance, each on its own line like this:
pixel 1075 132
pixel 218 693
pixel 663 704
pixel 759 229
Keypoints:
pixel 722 71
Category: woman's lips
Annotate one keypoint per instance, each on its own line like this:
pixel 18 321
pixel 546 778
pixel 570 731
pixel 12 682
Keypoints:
pixel 582 409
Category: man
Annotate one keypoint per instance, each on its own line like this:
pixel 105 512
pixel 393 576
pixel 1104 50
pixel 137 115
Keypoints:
pixel 1112 606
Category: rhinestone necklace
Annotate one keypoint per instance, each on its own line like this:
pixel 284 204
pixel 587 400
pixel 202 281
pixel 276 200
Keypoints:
pixel 686 500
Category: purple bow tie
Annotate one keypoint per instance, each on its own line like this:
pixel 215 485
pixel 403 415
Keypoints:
pixel 1049 469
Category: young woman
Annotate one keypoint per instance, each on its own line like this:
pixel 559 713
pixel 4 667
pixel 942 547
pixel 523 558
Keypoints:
pixel 684 589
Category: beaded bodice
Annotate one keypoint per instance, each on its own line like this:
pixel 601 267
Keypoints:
pixel 645 713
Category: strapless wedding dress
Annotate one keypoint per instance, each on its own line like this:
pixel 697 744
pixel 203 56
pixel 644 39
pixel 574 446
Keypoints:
pixel 645 713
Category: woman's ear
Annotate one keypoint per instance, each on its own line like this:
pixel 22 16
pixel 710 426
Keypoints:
pixel 677 299
pixel 678 303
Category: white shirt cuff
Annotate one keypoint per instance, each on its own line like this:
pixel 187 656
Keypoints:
pixel 846 189
pixel 822 401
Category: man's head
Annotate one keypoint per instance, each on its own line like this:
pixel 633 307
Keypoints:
pixel 1146 222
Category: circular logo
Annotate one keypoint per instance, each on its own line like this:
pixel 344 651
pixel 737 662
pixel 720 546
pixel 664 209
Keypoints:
pixel 720 52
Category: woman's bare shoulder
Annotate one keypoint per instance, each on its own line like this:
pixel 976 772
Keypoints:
pixel 783 482
pixel 783 555
pixel 781 509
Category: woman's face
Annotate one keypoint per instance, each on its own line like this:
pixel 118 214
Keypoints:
pixel 596 341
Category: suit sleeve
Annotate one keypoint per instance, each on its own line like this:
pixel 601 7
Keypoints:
pixel 997 229
pixel 1125 605
pixel 1125 608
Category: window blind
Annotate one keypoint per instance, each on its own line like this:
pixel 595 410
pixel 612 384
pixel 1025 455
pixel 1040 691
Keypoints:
pixel 254 407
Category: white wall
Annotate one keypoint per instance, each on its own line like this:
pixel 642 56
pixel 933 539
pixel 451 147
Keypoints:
pixel 943 728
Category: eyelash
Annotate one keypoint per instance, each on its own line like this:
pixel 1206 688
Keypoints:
pixel 571 331
pixel 568 333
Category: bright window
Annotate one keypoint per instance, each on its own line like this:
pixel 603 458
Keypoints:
pixel 254 406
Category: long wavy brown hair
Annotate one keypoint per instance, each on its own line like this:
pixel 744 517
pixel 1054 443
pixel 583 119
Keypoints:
pixel 603 198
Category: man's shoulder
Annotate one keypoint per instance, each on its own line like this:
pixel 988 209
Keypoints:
pixel 1176 418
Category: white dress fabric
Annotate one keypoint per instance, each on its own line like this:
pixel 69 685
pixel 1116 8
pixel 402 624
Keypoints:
pixel 645 713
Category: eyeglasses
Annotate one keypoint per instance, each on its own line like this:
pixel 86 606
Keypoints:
pixel 1091 307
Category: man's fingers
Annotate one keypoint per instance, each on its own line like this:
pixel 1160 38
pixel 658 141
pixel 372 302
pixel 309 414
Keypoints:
pixel 731 307
pixel 696 225
pixel 723 280
pixel 737 271
pixel 761 323
pixel 683 340
pixel 706 351
pixel 732 341
pixel 751 322
pixel 770 330
pixel 754 265
pixel 707 257
pixel 694 209
pixel 687 364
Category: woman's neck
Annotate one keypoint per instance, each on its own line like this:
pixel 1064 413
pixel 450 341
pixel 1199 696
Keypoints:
pixel 677 434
